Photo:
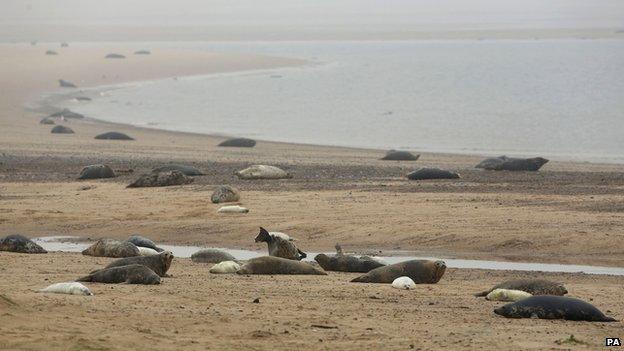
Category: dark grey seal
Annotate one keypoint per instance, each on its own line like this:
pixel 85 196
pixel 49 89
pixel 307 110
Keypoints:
pixel 395 155
pixel 113 136
pixel 131 274
pixel 160 263
pixel 61 130
pixel 278 265
pixel 51 52
pixel 111 248
pixel 420 271
pixel 504 163
pixel 185 169
pixel 553 307
pixel 492 162
pixel 532 286
pixel 96 172
pixel 280 247
pixel 64 45
pixel 142 52
pixel 211 256
pixel 161 179
pixel 46 120
pixel 432 173
pixel 66 84
pixel 238 142
pixel 347 263
pixel 225 193
pixel 67 113
pixel 143 242
pixel 114 56
pixel 21 244
pixel 83 98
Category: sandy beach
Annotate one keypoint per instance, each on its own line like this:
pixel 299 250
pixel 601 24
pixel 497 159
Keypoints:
pixel 565 213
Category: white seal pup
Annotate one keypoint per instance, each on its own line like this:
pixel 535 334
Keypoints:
pixel 262 172
pixel 233 209
pixel 225 267
pixel 507 295
pixel 70 288
pixel 404 283
pixel 146 251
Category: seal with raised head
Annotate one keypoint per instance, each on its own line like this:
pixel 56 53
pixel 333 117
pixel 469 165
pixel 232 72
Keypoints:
pixel 553 307
pixel 280 247
pixel 21 244
pixel 347 263
pixel 225 193
pixel 131 274
pixel 185 169
pixel 432 173
pixel 158 263
pixel 168 178
pixel 532 286
pixel 211 256
pixel 61 130
pixel 113 136
pixel 262 172
pixel 238 142
pixel 143 242
pixel 111 248
pixel 420 271
pixel 397 155
pixel 96 172
pixel 278 265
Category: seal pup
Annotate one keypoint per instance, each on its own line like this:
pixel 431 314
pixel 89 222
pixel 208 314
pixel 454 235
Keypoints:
pixel 432 173
pixel 278 265
pixel 159 263
pixel 225 267
pixel 96 172
pixel 225 193
pixel 532 286
pixel 403 283
pixel 113 136
pixel 66 84
pixel 553 307
pixel 111 248
pixel 233 209
pixel 61 130
pixel 211 256
pixel 169 178
pixel 262 172
pixel 279 247
pixel 70 288
pixel 185 169
pixel 396 155
pixel 141 241
pixel 21 244
pixel 238 142
pixel 346 263
pixel 420 271
pixel 507 295
pixel 130 274
pixel 146 251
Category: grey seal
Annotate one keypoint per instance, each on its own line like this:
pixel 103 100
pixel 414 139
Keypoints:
pixel 114 56
pixel 238 142
pixel 169 178
pixel 420 271
pixel 225 193
pixel 504 163
pixel 160 263
pixel 96 172
pixel 21 244
pixel 61 130
pixel 67 113
pixel 143 242
pixel 397 155
pixel 278 265
pixel 111 248
pixel 211 256
pixel 113 136
pixel 532 286
pixel 185 169
pixel 131 274
pixel 66 84
pixel 432 173
pixel 280 247
pixel 553 307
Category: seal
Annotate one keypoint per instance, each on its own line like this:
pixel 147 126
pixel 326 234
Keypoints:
pixel 504 163
pixel 238 142
pixel 142 52
pixel 262 172
pixel 67 113
pixel 146 251
pixel 420 271
pixel 70 288
pixel 278 265
pixel 82 98
pixel 21 244
pixel 111 248
pixel 211 256
pixel 347 263
pixel 141 241
pixel 280 247
pixel 532 286
pixel 113 136
pixel 131 274
pixel 51 52
pixel 66 84
pixel 233 209
pixel 553 307
pixel 396 155
pixel 184 169
pixel 492 162
pixel 114 56
pixel 507 295
pixel 168 178
pixel 225 193
pixel 61 130
pixel 403 283
pixel 47 120
pixel 225 267
pixel 432 173
pixel 96 172
pixel 159 263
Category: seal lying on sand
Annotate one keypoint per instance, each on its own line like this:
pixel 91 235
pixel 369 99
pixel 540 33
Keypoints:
pixel 225 193
pixel 113 136
pixel 21 244
pixel 420 271
pixel 70 288
pixel 114 56
pixel 185 169
pixel 507 295
pixel 279 247
pixel 532 286
pixel 211 256
pixel 278 265
pixel 432 173
pixel 403 283
pixel 233 209
pixel 66 84
pixel 61 130
pixel 161 179
pixel 238 142
pixel 225 267
pixel 51 52
pixel 262 172
pixel 142 52
pixel 504 163
pixel 111 248
pixel 67 113
pixel 96 172
pixel 131 274
pixel 492 162
pixel 395 155
pixel 553 307
pixel 347 263
pixel 143 242
pixel 46 120
pixel 158 263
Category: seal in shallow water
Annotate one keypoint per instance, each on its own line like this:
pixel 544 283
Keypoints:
pixel 432 173
pixel 396 155
pixel 113 136
pixel 278 265
pixel 21 244
pixel 280 247
pixel 158 263
pixel 131 274
pixel 61 130
pixel 211 256
pixel 144 242
pixel 553 307
pixel 168 178
pixel 262 172
pixel 225 193
pixel 238 142
pixel 96 172
pixel 532 286
pixel 185 169
pixel 420 271
pixel 111 248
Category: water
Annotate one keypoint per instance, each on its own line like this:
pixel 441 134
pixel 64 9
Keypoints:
pixel 561 99
pixel 65 244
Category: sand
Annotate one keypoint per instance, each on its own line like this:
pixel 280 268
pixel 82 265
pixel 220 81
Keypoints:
pixel 566 213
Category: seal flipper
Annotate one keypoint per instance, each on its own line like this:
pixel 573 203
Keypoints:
pixel 609 319
pixel 302 255
pixel 87 278
pixel 483 293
